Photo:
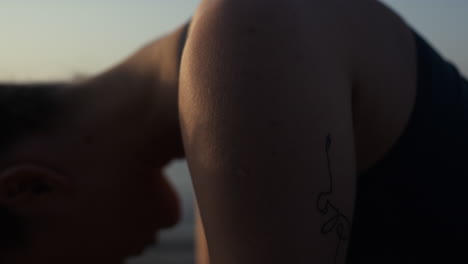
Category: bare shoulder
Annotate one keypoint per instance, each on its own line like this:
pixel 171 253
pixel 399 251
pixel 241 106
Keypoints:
pixel 305 35
pixel 363 42
pixel 385 81
pixel 263 83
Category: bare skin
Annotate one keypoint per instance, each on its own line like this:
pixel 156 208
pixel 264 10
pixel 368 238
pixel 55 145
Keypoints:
pixel 256 86
pixel 145 83
pixel 368 133
pixel 346 129
pixel 90 189
pixel 379 94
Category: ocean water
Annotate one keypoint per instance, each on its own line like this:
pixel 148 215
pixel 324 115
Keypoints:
pixel 175 246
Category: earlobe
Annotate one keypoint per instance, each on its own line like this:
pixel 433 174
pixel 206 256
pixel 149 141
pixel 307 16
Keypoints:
pixel 21 184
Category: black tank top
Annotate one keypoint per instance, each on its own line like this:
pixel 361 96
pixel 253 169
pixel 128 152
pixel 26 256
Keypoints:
pixel 412 205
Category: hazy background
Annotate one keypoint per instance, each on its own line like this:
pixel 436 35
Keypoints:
pixel 57 39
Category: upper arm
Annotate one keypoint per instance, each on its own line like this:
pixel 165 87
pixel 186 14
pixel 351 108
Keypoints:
pixel 266 117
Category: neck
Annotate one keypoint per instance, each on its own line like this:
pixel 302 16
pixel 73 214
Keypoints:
pixel 153 70
pixel 147 83
pixel 158 64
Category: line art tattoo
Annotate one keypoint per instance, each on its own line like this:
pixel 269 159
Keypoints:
pixel 337 221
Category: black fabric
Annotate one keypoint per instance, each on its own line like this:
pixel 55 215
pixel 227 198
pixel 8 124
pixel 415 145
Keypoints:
pixel 412 206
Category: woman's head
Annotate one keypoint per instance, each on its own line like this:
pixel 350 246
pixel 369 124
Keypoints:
pixel 71 192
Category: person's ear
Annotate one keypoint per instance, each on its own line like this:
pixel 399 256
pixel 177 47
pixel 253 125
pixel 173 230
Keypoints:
pixel 27 185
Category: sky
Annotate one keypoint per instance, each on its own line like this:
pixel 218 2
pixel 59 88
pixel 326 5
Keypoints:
pixel 58 39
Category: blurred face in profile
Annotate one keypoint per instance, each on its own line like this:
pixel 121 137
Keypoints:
pixel 86 191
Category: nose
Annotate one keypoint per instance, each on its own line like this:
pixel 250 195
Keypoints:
pixel 169 204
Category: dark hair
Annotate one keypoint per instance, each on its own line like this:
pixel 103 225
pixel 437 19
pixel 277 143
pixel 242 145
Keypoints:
pixel 24 109
pixel 11 233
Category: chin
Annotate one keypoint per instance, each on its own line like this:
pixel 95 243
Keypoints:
pixel 141 247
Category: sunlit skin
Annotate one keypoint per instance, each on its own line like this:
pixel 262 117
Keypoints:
pixel 103 162
pixel 260 91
